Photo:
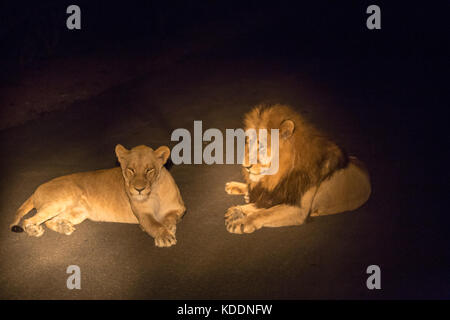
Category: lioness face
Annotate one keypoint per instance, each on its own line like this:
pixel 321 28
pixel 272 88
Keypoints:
pixel 140 168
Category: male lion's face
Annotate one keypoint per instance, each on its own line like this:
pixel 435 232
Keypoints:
pixel 258 156
pixel 140 168
pixel 262 150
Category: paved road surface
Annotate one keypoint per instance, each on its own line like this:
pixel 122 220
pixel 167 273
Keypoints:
pixel 326 258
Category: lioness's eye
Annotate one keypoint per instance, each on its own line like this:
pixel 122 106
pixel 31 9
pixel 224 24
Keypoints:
pixel 149 171
pixel 130 170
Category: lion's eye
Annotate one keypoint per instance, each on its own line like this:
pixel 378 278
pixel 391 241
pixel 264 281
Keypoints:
pixel 149 171
pixel 130 171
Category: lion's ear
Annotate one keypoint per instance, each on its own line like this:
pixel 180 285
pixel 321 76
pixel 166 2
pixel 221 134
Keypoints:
pixel 121 152
pixel 162 153
pixel 287 128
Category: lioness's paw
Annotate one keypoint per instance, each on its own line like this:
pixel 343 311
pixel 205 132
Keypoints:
pixel 172 228
pixel 165 239
pixel 60 225
pixel 236 221
pixel 34 230
pixel 234 187
pixel 65 227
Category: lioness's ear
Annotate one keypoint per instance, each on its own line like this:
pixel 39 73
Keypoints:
pixel 162 153
pixel 287 128
pixel 121 152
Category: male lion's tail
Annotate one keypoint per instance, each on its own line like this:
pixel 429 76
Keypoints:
pixel 26 207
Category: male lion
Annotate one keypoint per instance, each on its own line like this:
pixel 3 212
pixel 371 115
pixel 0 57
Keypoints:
pixel 314 178
pixel 140 191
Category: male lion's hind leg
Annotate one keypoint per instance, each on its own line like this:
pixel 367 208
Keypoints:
pixel 248 218
pixel 237 188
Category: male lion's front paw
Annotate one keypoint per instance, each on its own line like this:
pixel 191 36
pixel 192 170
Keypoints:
pixel 234 213
pixel 237 221
pixel 233 187
pixel 165 238
pixel 34 230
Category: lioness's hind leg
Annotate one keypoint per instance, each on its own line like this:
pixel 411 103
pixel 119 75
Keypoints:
pixel 32 226
pixel 33 230
pixel 60 225
pixel 64 222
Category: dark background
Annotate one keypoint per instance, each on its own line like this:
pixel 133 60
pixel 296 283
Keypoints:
pixel 379 93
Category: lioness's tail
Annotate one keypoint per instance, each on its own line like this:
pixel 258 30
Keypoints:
pixel 26 207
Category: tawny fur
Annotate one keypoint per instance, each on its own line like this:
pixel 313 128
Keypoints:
pixel 140 191
pixel 315 176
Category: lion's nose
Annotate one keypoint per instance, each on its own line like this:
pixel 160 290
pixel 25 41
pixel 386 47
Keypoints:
pixel 139 189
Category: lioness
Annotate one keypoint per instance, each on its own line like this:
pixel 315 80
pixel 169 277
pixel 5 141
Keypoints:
pixel 315 177
pixel 140 191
